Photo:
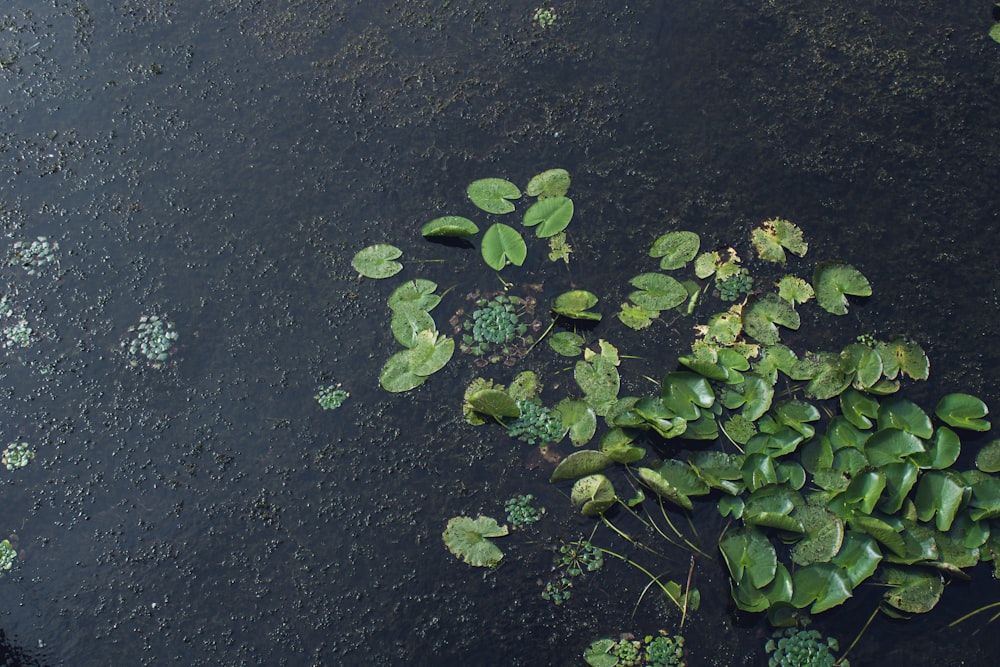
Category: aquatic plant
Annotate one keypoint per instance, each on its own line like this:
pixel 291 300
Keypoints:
pixel 152 340
pixel 578 557
pixel 802 648
pixel 331 396
pixel 735 286
pixel 558 590
pixel 378 261
pixel 521 512
pixel 17 455
pixel 33 255
pixel 7 556
pixel 468 539
pixel 17 335
pixel 425 350
pixel 536 424
pixel 544 17
pixel 662 650
pixel 498 329
pixel 665 651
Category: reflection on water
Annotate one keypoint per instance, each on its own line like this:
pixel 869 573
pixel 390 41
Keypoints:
pixel 219 164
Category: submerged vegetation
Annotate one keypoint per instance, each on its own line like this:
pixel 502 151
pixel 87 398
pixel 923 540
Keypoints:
pixel 830 478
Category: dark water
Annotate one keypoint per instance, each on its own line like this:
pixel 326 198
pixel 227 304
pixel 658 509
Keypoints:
pixel 220 162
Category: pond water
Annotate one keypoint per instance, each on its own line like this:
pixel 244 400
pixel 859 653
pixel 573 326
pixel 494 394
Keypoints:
pixel 219 163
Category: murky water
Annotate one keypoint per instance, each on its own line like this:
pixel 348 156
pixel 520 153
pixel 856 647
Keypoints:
pixel 220 162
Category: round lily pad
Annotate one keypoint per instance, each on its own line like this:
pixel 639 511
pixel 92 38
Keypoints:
pixel 493 194
pixel 824 535
pixel 450 225
pixel 550 183
pixel 549 216
pixel 467 539
pixel 376 261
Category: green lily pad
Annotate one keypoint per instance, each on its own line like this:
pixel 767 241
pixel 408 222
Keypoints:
pixel 795 290
pixel 901 355
pixel 396 375
pixel 906 416
pixel 579 464
pixel 567 343
pixel 407 322
pixel 493 194
pixel 550 216
pixel 450 226
pixel 593 494
pixel 761 316
pixel 912 590
pixel 598 654
pixel 963 411
pixel 988 458
pixel 985 501
pixel 493 402
pixel 597 375
pixel 939 496
pixel 750 556
pixel 549 183
pixel 615 443
pixel 636 317
pixel 467 539
pixel 663 488
pixel 675 249
pixel 858 408
pixel 834 281
pixel 891 445
pixel 774 236
pixel 418 293
pixel 579 418
pixel 377 261
pixel 820 586
pixel 859 557
pixel 657 291
pixel 942 452
pixel 575 304
pixel 683 393
pixel 503 245
pixel 430 353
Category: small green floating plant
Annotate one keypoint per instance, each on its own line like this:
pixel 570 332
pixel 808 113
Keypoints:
pixel 544 17
pixel 331 396
pixel 802 648
pixel 17 455
pixel 521 512
pixel 32 256
pixel 153 340
pixel 19 334
pixel 7 556
pixel 662 650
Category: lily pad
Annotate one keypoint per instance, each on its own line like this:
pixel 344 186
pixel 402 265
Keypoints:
pixel 636 317
pixel 657 291
pixel 939 496
pixel 450 225
pixel 963 411
pixel 988 458
pixel 377 261
pixel 581 463
pixel 834 281
pixel 593 494
pixel 430 353
pixel 549 183
pixel 493 402
pixel 911 590
pixel 417 294
pixel 774 236
pixel 795 290
pixel 901 355
pixel 675 249
pixel 575 304
pixel 396 375
pixel 750 556
pixel 503 245
pixel 567 343
pixel 579 418
pixel 407 322
pixel 761 316
pixel 493 194
pixel 549 216
pixel 468 539
pixel 820 586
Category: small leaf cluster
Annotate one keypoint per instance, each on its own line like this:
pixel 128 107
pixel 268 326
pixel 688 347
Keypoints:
pixel 18 334
pixel 153 340
pixel 7 556
pixel 736 286
pixel 665 651
pixel 331 397
pixel 536 424
pixel 578 557
pixel 662 650
pixel 426 351
pixel 802 648
pixel 521 512
pixel 17 455
pixel 33 255
pixel 494 322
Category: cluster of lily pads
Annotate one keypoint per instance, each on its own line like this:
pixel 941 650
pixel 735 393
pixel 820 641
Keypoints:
pixel 521 512
pixel 33 255
pixel 152 340
pixel 426 350
pixel 7 556
pixel 17 455
pixel 331 396
pixel 802 648
pixel 662 650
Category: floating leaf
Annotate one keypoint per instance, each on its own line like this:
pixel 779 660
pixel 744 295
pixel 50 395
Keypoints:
pixel 450 225
pixel 407 322
pixel 760 318
pixel 911 590
pixel 963 411
pixel 376 261
pixel 795 290
pixel 579 418
pixel 467 539
pixel 493 402
pixel 988 458
pixel 396 375
pixel 597 375
pixel 901 355
pixel 418 293
pixel 566 343
pixel 615 444
pixel 593 494
pixel 750 556
pixel 663 487
pixel 858 408
pixel 549 183
pixel 774 236
pixel 859 557
pixel 906 416
pixel 598 654
pixel 430 353
pixel 559 248
pixel 503 245
pixel 657 291
pixel 675 249
pixel 939 496
pixel 821 585
pixel 891 445
pixel 578 464
pixel 575 304
pixel 636 317
pixel 684 393
pixel 492 194
pixel 833 281
pixel 551 216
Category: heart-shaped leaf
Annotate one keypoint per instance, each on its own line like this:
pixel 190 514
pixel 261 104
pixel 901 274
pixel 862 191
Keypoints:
pixel 963 411
pixel 550 216
pixel 833 281
pixel 503 245
pixel 377 261
pixel 493 194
